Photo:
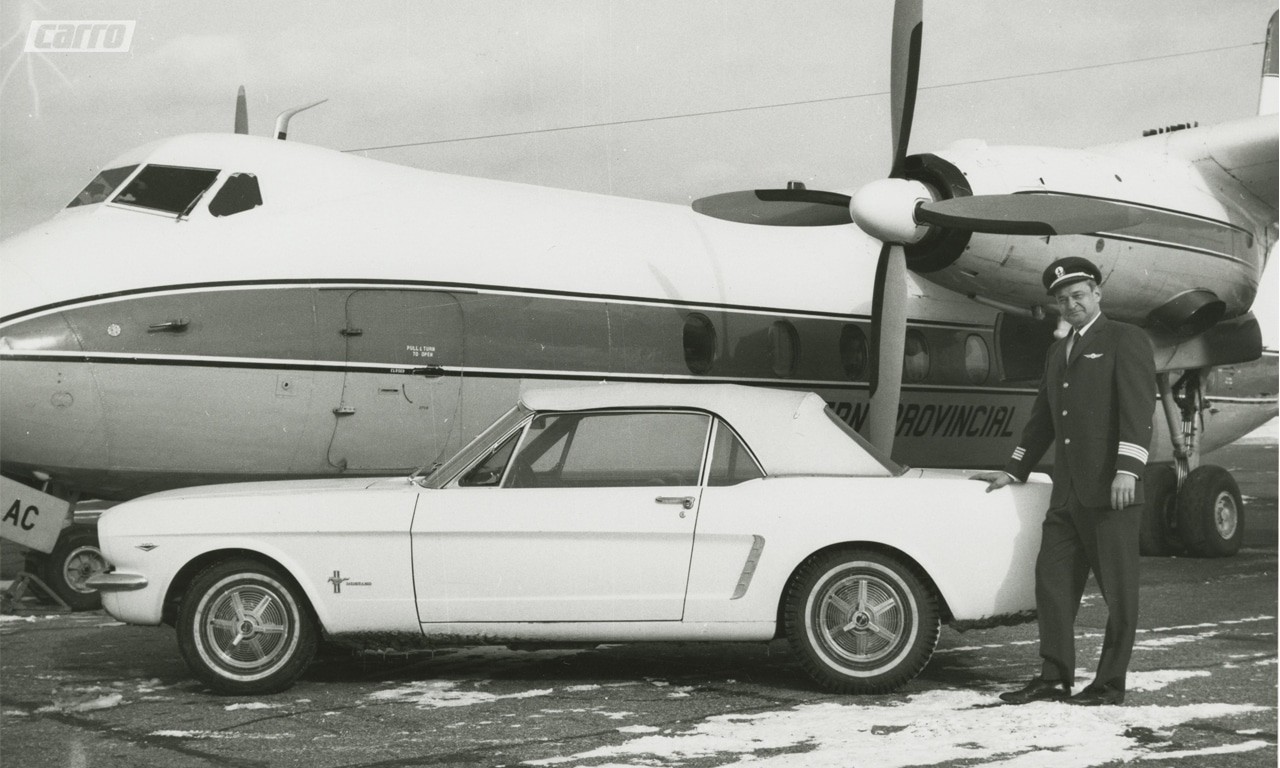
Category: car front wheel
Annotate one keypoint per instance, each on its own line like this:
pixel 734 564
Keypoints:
pixel 244 629
pixel 861 621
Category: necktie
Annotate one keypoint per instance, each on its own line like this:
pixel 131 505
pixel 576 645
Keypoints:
pixel 1071 342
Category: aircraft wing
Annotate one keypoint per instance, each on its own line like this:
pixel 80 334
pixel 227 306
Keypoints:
pixel 1241 151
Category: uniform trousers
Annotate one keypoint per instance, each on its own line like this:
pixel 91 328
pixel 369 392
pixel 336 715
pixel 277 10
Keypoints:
pixel 1076 540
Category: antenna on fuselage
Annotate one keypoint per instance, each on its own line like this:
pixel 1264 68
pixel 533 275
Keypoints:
pixel 282 122
pixel 242 113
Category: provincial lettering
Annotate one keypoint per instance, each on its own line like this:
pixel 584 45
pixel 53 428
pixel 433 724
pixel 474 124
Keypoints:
pixel 934 420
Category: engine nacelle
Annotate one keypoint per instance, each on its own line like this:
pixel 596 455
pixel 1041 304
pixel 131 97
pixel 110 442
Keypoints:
pixel 1190 262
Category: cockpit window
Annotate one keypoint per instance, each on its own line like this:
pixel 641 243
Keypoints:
pixel 167 188
pixel 102 186
pixel 239 193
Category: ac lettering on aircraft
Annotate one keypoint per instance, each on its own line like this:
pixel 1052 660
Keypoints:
pixel 915 420
pixel 21 517
pixel 80 36
pixel 421 351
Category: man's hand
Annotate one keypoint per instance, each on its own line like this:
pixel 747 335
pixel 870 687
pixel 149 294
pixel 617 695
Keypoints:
pixel 994 480
pixel 1122 490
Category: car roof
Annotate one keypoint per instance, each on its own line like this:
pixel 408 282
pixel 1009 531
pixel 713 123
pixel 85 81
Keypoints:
pixel 788 430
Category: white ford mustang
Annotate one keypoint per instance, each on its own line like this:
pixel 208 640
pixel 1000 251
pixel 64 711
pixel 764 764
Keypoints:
pixel 604 513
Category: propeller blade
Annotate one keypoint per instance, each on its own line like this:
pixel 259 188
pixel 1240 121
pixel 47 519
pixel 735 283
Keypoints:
pixel 904 74
pixel 242 113
pixel 791 207
pixel 889 332
pixel 1029 214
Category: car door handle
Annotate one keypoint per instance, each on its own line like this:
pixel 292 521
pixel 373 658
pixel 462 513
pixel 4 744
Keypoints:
pixel 684 501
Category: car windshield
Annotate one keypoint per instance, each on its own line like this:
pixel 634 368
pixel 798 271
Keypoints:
pixel 436 477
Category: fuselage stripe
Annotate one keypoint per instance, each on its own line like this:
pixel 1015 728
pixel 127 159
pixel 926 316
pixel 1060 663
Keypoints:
pixel 464 371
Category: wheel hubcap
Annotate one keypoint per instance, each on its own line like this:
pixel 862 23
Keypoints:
pixel 1225 515
pixel 81 564
pixel 862 619
pixel 248 627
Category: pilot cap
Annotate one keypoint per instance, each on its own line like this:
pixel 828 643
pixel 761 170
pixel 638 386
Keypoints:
pixel 1072 269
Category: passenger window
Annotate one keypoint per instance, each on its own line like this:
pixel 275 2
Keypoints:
pixel 699 343
pixel 853 352
pixel 167 188
pixel 600 450
pixel 977 359
pixel 102 186
pixel 915 363
pixel 731 462
pixel 786 347
pixel 239 193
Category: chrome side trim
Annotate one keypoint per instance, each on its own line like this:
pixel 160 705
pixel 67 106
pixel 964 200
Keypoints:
pixel 749 567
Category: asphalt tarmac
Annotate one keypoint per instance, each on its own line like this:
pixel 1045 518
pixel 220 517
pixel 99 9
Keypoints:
pixel 83 690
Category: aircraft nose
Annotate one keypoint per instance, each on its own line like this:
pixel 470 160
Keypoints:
pixel 50 414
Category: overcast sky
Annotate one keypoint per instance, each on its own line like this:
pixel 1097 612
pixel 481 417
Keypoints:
pixel 657 99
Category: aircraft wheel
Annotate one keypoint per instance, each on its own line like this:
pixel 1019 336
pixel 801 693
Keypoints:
pixel 244 629
pixel 75 557
pixel 1210 513
pixel 1156 537
pixel 861 621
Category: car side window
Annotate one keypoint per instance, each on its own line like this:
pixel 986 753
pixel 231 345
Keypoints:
pixel 611 449
pixel 731 462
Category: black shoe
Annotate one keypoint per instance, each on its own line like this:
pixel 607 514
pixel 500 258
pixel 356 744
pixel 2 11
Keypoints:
pixel 1038 690
pixel 1097 696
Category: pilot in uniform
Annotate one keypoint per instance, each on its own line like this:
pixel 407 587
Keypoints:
pixel 1094 407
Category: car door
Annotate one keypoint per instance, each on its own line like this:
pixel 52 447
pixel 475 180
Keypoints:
pixel 585 516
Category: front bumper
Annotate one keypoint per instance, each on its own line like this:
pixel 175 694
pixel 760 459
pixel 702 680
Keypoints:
pixel 117 582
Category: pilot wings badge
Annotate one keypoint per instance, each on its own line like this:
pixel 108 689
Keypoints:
pixel 1093 355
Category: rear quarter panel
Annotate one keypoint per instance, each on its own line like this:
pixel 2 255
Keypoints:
pixel 358 537
pixel 978 548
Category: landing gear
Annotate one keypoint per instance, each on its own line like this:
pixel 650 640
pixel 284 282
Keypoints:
pixel 74 559
pixel 1191 509
pixel 1210 513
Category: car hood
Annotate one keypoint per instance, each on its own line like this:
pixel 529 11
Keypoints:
pixel 273 487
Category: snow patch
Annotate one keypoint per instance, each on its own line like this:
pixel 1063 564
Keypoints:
pixel 1160 678
pixel 927 729
pixel 221 735
pixel 442 693
pixel 250 705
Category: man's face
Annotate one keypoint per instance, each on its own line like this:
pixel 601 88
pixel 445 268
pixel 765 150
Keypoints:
pixel 1078 302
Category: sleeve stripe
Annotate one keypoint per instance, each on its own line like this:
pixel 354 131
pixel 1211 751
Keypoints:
pixel 1018 453
pixel 1133 451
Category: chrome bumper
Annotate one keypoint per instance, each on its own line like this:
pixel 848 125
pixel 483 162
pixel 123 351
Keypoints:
pixel 116 582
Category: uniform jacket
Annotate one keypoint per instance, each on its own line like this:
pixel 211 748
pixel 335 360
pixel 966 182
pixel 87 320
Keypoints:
pixel 1095 410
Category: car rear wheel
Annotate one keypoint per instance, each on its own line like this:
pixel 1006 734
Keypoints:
pixel 245 629
pixel 861 621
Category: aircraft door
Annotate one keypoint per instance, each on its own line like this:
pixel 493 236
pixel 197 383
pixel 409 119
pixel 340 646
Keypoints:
pixel 401 392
